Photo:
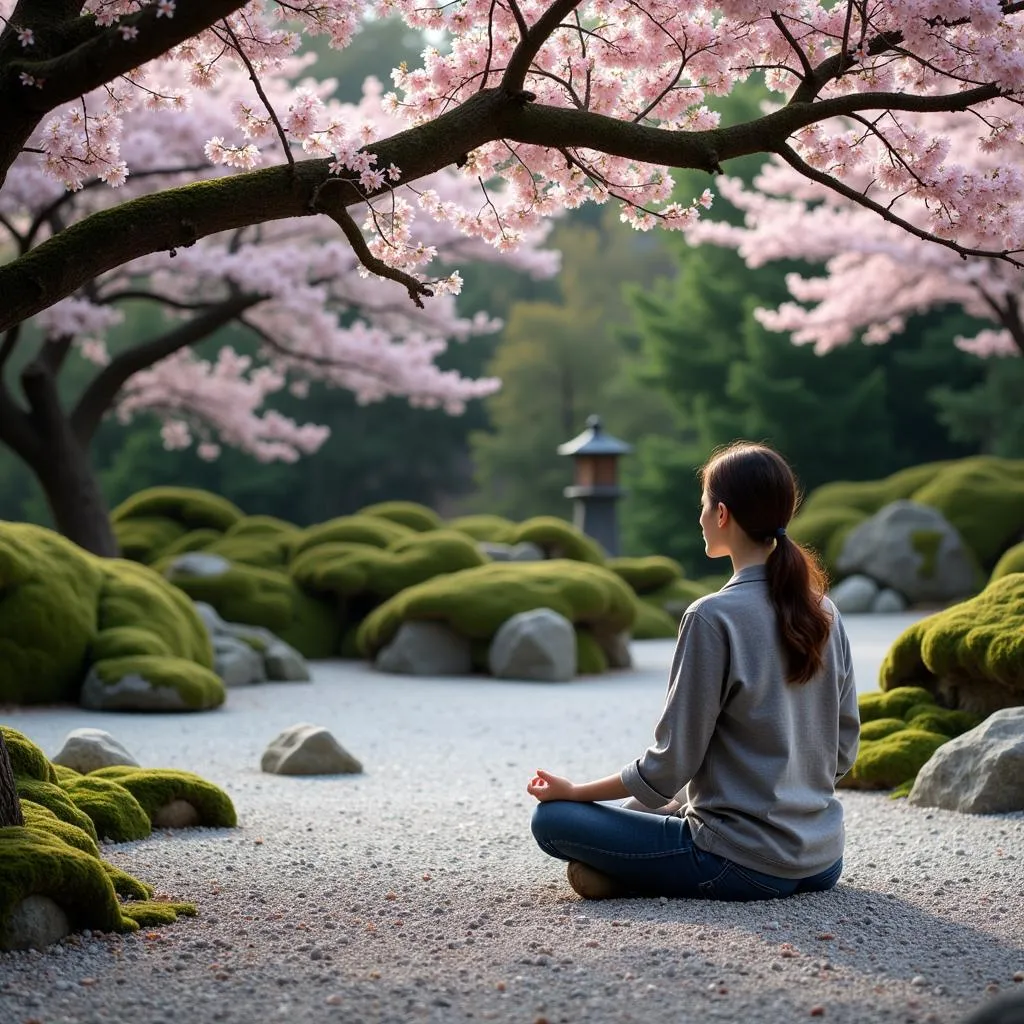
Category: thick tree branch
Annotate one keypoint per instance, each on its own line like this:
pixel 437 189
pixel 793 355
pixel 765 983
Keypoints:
pixel 794 161
pixel 100 394
pixel 178 217
pixel 529 45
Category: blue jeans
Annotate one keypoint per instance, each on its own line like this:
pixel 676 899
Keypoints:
pixel 654 855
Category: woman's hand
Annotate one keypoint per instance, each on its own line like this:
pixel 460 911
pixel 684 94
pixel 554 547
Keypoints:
pixel 545 786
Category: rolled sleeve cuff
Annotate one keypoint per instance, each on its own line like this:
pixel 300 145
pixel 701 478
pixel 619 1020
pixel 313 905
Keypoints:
pixel 634 782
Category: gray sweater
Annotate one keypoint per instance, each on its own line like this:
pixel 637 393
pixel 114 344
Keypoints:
pixel 758 756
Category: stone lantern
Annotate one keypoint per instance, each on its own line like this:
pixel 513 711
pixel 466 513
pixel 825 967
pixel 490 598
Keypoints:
pixel 596 482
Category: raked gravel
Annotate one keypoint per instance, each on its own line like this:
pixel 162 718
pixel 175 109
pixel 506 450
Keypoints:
pixel 414 892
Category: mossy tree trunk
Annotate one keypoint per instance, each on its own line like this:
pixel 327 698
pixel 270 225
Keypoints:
pixel 10 806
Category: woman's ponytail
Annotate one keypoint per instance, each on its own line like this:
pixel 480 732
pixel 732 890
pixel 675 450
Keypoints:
pixel 757 486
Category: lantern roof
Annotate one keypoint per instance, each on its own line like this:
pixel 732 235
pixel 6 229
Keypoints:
pixel 594 441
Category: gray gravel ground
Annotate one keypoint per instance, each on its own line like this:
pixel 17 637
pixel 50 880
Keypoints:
pixel 415 893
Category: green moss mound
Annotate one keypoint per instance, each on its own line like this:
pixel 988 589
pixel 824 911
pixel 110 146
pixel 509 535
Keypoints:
pixel 374 530
pixel 150 913
pixel 1012 560
pixel 675 597
pixel 868 496
pixel 894 759
pixel 486 527
pixel 41 818
pixel 192 508
pixel 265 550
pixel 406 513
pixel 57 802
pixel 153 788
pixel 27 760
pixel 943 721
pixel 351 570
pixel 256 526
pixel 652 623
pixel 194 540
pixel 475 602
pixel 558 540
pixel 824 530
pixel 590 658
pixel 646 574
pixel 879 728
pixel 970 656
pixel 983 497
pixel 894 704
pixel 265 597
pixel 48 594
pixel 135 597
pixel 192 687
pixel 145 538
pixel 115 813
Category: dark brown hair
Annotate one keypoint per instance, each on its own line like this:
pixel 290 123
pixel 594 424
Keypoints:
pixel 757 486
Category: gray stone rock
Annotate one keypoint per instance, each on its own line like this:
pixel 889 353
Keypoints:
pixel 977 772
pixel 888 602
pixel 426 649
pixel 85 750
pixel 495 551
pixel 211 618
pixel 855 594
pixel 198 563
pixel 132 692
pixel 236 662
pixel 526 552
pixel 537 645
pixel 176 814
pixel 284 664
pixel 912 549
pixel 308 750
pixel 616 649
pixel 34 923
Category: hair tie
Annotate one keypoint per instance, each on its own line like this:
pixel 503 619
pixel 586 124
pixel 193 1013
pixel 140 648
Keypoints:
pixel 780 533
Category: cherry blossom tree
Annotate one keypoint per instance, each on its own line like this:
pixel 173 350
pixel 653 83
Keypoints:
pixel 292 284
pixel 876 274
pixel 562 102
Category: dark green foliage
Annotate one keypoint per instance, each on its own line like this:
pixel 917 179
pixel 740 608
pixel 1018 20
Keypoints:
pixel 56 800
pixel 27 760
pixel 194 540
pixel 259 525
pixel 646 574
pixel 1011 560
pixel 145 538
pixel 653 623
pixel 895 759
pixel 358 529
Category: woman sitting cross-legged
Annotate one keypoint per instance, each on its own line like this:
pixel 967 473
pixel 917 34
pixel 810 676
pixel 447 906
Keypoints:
pixel 759 723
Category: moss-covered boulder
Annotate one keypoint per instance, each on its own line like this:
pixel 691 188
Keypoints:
pixel 194 540
pixel 115 813
pixel 653 623
pixel 558 540
pixel 1011 560
pixel 156 788
pixel 145 538
pixel 269 598
pixel 54 857
pixel 591 659
pixel 476 602
pixel 894 759
pixel 151 651
pixel 249 526
pixel 49 589
pixel 268 549
pixel 353 570
pixel 970 656
pixel 982 497
pixel 191 508
pixel 647 574
pixel 373 530
pixel 406 513
pixel 486 527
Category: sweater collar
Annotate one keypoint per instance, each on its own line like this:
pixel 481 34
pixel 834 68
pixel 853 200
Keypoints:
pixel 750 574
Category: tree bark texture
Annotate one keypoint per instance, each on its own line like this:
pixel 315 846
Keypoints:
pixel 10 805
